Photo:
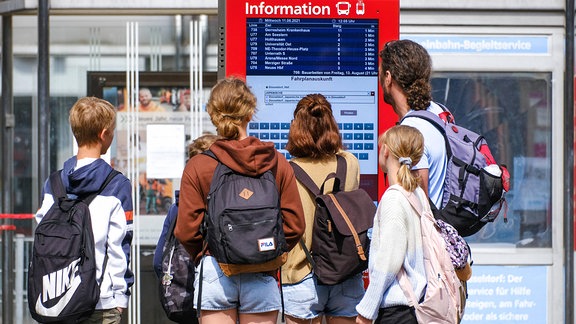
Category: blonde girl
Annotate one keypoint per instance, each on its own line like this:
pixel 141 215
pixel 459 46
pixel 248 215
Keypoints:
pixel 396 237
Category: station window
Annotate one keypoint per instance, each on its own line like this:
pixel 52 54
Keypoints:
pixel 513 112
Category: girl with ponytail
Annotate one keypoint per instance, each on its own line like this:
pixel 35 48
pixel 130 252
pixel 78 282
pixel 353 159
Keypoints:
pixel 251 297
pixel 315 145
pixel 396 235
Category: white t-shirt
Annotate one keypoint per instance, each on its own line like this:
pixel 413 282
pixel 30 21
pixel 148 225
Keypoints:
pixel 434 158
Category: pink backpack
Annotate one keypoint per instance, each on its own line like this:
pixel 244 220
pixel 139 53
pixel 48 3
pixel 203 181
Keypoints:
pixel 442 302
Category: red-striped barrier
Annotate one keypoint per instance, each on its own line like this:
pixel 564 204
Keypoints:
pixel 17 216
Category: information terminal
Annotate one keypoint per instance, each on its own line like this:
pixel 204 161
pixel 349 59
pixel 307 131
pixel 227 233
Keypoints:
pixel 288 49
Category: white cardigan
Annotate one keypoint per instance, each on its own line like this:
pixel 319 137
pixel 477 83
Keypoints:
pixel 396 243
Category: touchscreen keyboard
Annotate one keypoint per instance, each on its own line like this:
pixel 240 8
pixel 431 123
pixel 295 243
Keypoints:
pixel 357 138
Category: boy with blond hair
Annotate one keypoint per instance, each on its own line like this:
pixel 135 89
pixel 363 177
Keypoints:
pixel 93 122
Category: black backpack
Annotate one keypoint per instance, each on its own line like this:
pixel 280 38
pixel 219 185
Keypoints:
pixel 62 283
pixel 177 283
pixel 475 185
pixel 243 221
pixel 340 240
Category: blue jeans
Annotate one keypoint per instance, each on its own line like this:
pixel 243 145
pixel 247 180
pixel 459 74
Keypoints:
pixel 308 299
pixel 247 292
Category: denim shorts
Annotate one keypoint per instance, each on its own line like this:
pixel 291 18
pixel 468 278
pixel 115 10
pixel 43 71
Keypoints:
pixel 247 292
pixel 308 299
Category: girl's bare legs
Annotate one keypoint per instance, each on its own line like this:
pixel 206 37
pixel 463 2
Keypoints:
pixel 340 320
pixel 258 318
pixel 292 320
pixel 229 316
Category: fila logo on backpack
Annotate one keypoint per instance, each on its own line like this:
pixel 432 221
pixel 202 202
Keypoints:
pixel 475 185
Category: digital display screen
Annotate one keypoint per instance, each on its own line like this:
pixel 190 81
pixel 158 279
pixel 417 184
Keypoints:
pixel 288 49
pixel 335 47
pixel 288 58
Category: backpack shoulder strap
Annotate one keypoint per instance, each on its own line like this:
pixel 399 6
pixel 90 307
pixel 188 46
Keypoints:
pixel 172 213
pixel 305 179
pixel 210 154
pixel 60 192
pixel 339 181
pixel 170 233
pixel 402 276
pixel 430 117
pixel 435 121
pixel 57 186
pixel 412 199
pixel 407 287
pixel 359 247
pixel 341 168
pixel 88 199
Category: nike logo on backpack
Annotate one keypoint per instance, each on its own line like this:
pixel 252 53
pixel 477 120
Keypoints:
pixel 61 284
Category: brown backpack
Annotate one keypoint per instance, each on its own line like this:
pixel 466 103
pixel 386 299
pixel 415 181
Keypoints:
pixel 340 240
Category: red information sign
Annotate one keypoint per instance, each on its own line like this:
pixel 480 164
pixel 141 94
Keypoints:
pixel 287 49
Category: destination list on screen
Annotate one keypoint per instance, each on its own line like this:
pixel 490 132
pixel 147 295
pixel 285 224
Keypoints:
pixel 288 58
pixel 335 47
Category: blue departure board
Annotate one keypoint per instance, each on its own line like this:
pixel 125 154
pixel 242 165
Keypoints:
pixel 293 46
pixel 287 49
pixel 288 58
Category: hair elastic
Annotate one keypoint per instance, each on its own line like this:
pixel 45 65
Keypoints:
pixel 229 116
pixel 405 161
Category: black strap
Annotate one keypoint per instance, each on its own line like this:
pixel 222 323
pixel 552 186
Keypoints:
pixel 173 222
pixel 436 121
pixel 109 178
pixel 200 279
pixel 305 179
pixel 308 254
pixel 341 168
pixel 339 177
pixel 170 238
pixel 59 191
pixel 210 154
pixel 281 295
pixel 57 186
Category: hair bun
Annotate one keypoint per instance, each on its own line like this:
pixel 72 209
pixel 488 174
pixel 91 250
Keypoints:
pixel 316 110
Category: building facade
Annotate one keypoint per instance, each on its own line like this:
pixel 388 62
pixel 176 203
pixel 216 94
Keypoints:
pixel 499 66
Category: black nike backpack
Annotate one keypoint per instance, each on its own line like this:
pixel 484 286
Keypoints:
pixel 62 285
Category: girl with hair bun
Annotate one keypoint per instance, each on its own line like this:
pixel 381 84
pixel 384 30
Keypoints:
pixel 315 144
pixel 396 235
pixel 244 297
